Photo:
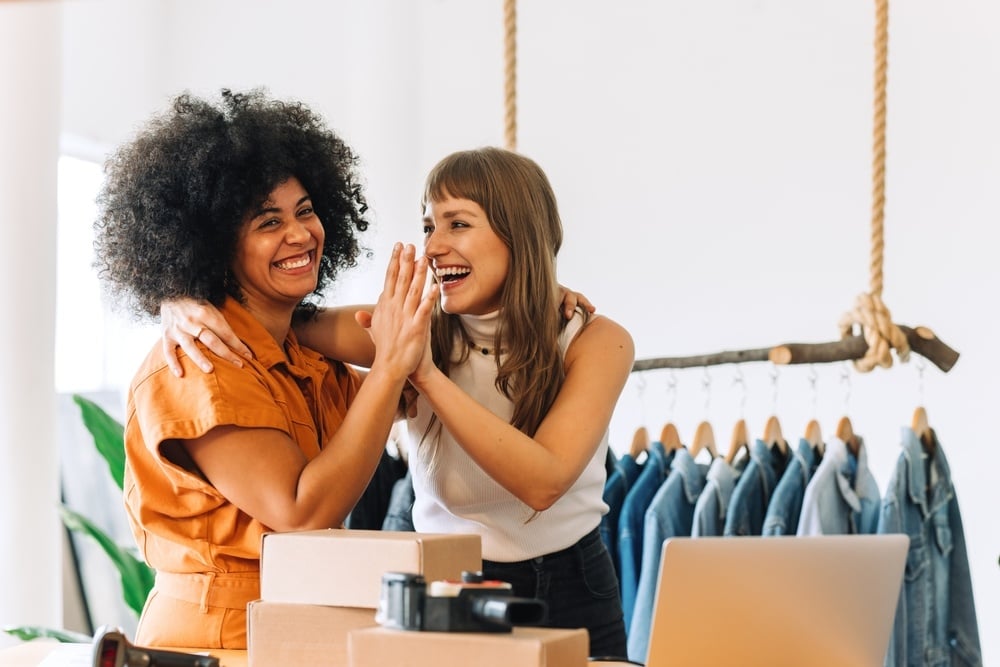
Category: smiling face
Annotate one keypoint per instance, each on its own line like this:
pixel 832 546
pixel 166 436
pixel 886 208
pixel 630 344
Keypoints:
pixel 469 260
pixel 278 251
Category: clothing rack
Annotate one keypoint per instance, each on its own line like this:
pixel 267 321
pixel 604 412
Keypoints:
pixel 922 340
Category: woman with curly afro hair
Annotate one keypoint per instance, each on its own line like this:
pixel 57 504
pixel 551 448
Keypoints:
pixel 252 205
pixel 507 437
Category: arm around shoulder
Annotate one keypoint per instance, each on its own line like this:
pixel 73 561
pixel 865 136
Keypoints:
pixel 335 333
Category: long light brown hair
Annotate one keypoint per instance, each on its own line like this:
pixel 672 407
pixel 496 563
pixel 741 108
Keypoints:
pixel 521 208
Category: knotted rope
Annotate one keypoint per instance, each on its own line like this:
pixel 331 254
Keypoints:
pixel 510 74
pixel 869 310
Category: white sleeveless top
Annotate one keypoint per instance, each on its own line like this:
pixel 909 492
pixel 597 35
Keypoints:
pixel 454 495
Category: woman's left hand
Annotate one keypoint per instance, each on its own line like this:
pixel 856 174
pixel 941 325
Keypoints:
pixel 184 321
pixel 570 301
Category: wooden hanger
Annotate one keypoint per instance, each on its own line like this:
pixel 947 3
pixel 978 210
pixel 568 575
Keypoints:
pixel 923 430
pixel 772 434
pixel 845 431
pixel 704 438
pixel 670 438
pixel 814 436
pixel 640 442
pixel 738 441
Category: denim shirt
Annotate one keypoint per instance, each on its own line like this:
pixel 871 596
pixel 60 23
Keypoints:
pixel 842 498
pixel 614 496
pixel 783 511
pixel 748 504
pixel 710 510
pixel 630 523
pixel 399 516
pixel 935 622
pixel 670 514
pixel 630 468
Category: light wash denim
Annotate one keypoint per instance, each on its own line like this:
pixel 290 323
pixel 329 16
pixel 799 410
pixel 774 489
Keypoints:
pixel 935 622
pixel 670 514
pixel 630 523
pixel 842 498
pixel 748 504
pixel 710 510
pixel 782 517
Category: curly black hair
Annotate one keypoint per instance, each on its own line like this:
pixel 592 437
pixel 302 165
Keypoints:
pixel 175 197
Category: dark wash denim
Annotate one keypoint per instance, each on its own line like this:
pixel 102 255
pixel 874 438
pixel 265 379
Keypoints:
pixel 580 588
pixel 630 523
pixel 748 504
pixel 935 622
pixel 630 468
pixel 626 471
pixel 399 516
pixel 615 490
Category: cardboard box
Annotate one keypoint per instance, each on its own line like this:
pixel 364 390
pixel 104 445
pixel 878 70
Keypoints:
pixel 524 647
pixel 280 634
pixel 344 568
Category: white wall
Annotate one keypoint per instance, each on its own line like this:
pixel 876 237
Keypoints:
pixel 30 556
pixel 712 162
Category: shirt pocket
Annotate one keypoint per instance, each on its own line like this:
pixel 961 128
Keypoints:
pixel 917 559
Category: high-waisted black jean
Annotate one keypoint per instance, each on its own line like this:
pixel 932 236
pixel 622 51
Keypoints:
pixel 580 587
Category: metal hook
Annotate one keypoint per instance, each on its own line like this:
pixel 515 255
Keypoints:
pixel 813 377
pixel 845 379
pixel 738 379
pixel 774 388
pixel 640 385
pixel 706 386
pixel 672 392
pixel 921 367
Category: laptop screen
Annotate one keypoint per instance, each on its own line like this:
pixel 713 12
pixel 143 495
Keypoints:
pixel 776 601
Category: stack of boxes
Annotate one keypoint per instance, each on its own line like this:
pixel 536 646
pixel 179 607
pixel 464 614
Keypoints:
pixel 320 590
pixel 318 585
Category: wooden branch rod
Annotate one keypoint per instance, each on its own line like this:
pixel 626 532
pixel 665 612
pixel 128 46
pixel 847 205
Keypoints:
pixel 922 341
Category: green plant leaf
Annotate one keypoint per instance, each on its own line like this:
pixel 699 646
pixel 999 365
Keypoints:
pixel 109 436
pixel 136 577
pixel 29 632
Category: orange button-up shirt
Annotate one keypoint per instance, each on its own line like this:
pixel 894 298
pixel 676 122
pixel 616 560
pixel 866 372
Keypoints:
pixel 181 523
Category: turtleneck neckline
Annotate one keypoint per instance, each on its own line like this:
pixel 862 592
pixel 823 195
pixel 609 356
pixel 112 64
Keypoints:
pixel 482 330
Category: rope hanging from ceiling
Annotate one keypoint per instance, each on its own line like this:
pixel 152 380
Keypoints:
pixel 510 74
pixel 879 336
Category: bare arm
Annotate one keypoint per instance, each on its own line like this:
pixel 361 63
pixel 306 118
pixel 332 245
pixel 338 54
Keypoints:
pixel 540 470
pixel 334 332
pixel 263 471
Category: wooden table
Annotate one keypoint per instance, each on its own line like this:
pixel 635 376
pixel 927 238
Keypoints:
pixel 31 654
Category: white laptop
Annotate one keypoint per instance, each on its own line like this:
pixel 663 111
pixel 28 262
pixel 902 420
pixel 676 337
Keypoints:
pixel 776 601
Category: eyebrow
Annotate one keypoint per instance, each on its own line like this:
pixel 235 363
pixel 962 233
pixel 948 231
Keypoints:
pixel 276 209
pixel 453 213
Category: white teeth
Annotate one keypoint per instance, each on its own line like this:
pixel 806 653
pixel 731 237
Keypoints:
pixel 452 271
pixel 297 264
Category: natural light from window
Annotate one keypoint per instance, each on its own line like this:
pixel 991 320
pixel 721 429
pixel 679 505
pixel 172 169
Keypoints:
pixel 96 348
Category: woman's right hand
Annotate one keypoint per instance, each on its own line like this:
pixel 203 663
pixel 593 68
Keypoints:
pixel 184 321
pixel 399 325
